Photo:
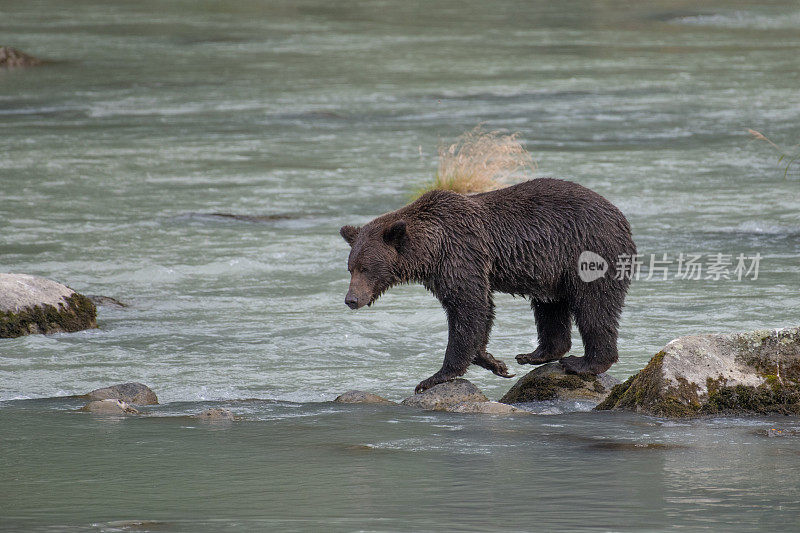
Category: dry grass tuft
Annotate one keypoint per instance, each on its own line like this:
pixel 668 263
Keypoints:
pixel 481 161
pixel 786 156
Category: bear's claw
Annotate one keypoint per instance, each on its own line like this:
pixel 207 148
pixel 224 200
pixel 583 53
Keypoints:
pixel 495 366
pixel 501 370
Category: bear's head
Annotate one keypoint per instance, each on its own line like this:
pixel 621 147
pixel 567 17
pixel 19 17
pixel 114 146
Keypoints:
pixel 375 261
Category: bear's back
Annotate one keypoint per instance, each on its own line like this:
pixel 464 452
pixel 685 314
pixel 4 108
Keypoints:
pixel 538 229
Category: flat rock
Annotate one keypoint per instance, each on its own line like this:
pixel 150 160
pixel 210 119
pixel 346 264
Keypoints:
pixel 487 408
pixel 550 382
pixel 135 393
pixel 215 414
pixel 11 57
pixel 359 396
pixel 109 407
pixel 444 396
pixel 30 304
pixel 756 372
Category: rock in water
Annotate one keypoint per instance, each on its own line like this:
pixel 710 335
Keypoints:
pixel 751 372
pixel 109 407
pixel 550 382
pixel 11 57
pixel 108 301
pixel 215 414
pixel 30 304
pixel 445 396
pixel 360 396
pixel 135 393
pixel 486 408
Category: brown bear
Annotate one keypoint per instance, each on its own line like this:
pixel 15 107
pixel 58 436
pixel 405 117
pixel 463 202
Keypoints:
pixel 526 240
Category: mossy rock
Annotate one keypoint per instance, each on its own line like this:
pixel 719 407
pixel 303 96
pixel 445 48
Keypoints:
pixel 550 382
pixel 30 304
pixel 755 372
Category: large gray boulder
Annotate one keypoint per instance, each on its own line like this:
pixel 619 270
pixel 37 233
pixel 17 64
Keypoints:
pixel 550 382
pixel 445 396
pixel 360 396
pixel 11 57
pixel 135 393
pixel 751 372
pixel 30 304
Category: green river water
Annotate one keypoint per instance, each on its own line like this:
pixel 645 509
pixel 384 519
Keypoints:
pixel 153 117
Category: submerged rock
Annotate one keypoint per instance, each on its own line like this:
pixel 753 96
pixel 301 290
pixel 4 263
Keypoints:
pixel 105 301
pixel 109 407
pixel 752 372
pixel 30 304
pixel 446 396
pixel 550 382
pixel 11 57
pixel 359 396
pixel 135 393
pixel 215 414
pixel 486 408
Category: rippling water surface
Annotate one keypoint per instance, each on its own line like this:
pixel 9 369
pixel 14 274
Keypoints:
pixel 153 118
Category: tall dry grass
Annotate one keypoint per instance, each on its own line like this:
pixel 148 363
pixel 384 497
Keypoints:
pixel 481 161
pixel 787 157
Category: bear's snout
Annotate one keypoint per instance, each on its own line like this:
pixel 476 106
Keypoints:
pixel 351 301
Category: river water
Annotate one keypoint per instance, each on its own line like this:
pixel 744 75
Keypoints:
pixel 152 118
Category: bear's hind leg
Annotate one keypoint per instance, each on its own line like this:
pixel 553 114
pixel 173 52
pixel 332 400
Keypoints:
pixel 554 327
pixel 598 328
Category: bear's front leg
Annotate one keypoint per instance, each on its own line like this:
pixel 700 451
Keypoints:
pixel 439 377
pixel 496 366
pixel 468 333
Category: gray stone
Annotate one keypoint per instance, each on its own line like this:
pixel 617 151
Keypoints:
pixel 486 408
pixel 751 372
pixel 11 57
pixel 445 396
pixel 215 414
pixel 550 382
pixel 358 396
pixel 135 393
pixel 30 304
pixel 109 407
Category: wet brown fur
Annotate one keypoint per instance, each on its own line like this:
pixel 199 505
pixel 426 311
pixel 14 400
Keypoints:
pixel 523 240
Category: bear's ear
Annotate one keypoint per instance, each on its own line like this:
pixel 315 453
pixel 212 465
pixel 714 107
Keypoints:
pixel 349 233
pixel 395 235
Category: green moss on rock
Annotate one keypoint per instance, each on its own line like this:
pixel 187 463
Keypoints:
pixel 770 398
pixel 617 392
pixel 75 314
pixel 648 392
pixel 550 382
